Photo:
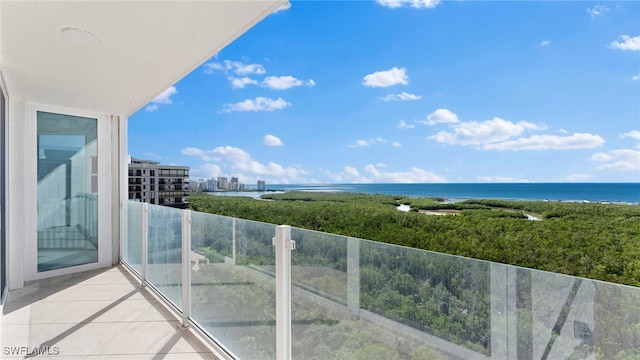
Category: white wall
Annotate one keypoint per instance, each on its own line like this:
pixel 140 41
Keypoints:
pixel 15 191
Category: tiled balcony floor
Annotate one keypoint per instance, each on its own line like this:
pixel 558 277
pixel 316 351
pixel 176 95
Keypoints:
pixel 99 314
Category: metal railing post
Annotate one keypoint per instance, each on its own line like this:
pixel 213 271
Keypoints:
pixel 283 244
pixel 144 224
pixel 186 267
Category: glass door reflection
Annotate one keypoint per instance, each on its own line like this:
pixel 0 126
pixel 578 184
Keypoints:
pixel 67 191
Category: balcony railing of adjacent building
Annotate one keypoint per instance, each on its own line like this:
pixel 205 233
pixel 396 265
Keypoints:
pixel 262 291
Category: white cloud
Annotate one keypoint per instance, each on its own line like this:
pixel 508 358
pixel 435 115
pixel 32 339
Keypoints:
pixel 440 116
pixel 545 43
pixel 372 174
pixel 415 175
pixel 602 157
pixel 505 179
pixel 597 10
pixel 633 134
pixel 490 131
pixel 242 82
pixel 235 67
pixel 351 172
pixel 577 177
pixel 238 161
pixel 623 159
pixel 418 4
pixel 247 69
pixel 403 125
pixel 362 143
pixel 259 104
pixel 636 77
pixel 403 96
pixel 371 169
pixel 284 7
pixel 624 42
pixel 285 82
pixel 202 154
pixel 206 171
pixel 549 142
pixel 396 144
pixel 271 140
pixel 497 134
pixel 386 78
pixel 163 99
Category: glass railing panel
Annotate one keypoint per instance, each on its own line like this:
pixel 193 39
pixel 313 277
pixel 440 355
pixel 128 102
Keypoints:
pixel 165 251
pixel 544 315
pixel 434 297
pixel 322 325
pixel 386 301
pixel 132 243
pixel 319 264
pixel 232 283
pixel 616 323
pixel 211 239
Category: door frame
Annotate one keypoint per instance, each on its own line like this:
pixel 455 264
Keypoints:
pixel 105 198
pixel 4 238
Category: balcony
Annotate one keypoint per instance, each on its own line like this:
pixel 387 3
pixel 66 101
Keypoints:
pixel 195 285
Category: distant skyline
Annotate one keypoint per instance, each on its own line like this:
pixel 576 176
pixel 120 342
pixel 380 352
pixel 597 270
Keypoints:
pixel 411 91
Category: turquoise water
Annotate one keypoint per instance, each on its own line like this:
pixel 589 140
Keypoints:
pixel 593 192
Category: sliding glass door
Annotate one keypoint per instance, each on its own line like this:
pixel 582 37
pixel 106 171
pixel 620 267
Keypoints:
pixel 67 191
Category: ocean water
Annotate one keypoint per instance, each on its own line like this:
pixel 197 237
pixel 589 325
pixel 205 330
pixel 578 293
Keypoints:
pixel 592 192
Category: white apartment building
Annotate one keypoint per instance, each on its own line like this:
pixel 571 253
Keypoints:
pixel 151 182
pixel 210 185
pixel 223 183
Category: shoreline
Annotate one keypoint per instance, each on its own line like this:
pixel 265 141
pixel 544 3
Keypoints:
pixel 601 193
pixel 451 200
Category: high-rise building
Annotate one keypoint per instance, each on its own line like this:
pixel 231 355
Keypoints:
pixel 223 183
pixel 261 185
pixel 210 185
pixel 151 182
pixel 234 184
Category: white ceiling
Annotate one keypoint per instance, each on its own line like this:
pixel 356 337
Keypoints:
pixel 145 47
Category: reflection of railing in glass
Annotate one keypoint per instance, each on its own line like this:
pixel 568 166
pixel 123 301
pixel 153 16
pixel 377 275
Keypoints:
pixel 359 299
pixel 67 218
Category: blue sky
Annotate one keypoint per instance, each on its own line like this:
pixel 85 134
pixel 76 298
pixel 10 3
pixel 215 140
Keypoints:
pixel 411 91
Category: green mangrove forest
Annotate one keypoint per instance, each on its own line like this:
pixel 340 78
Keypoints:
pixel 592 240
